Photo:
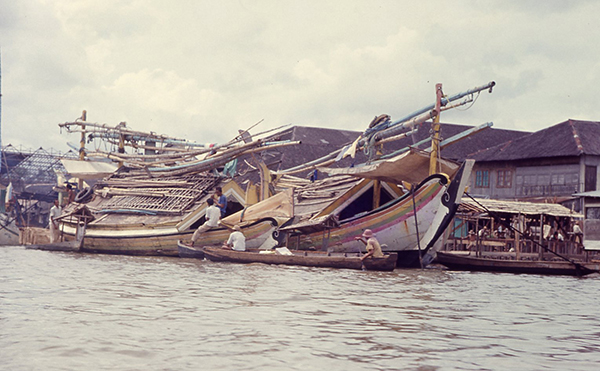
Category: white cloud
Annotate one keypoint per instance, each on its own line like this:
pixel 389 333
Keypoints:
pixel 203 69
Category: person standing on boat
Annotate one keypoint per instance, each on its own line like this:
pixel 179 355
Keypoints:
pixel 577 233
pixel 70 194
pixel 373 247
pixel 221 200
pixel 237 240
pixel 55 212
pixel 213 216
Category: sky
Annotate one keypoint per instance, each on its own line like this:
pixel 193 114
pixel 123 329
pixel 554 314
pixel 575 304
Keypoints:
pixel 201 70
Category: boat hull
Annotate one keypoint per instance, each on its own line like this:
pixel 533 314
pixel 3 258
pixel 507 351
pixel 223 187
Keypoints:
pixel 472 263
pixel 163 240
pixel 187 251
pixel 302 258
pixel 9 232
pixel 413 238
pixel 70 246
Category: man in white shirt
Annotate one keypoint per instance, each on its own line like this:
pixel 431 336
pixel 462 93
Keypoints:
pixel 55 212
pixel 237 240
pixel 213 214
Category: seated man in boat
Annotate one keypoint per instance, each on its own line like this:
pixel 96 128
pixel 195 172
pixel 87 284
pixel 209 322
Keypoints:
pixel 213 216
pixel 237 240
pixel 373 247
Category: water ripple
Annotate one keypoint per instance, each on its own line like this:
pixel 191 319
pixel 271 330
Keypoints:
pixel 62 311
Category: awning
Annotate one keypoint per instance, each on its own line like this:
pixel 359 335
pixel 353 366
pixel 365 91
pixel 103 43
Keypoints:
pixel 411 167
pixel 88 169
pixel 587 194
pixel 514 207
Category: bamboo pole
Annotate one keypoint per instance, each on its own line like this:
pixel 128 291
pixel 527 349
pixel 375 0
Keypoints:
pixel 82 146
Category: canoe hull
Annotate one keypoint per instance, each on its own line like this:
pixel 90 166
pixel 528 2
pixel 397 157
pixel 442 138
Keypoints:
pixel 471 263
pixel 302 258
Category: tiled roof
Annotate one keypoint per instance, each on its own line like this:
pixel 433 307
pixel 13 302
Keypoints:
pixel 566 139
pixel 319 142
pixel 460 150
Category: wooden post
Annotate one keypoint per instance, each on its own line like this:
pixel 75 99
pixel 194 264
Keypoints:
pixel 376 193
pixel 520 228
pixel 435 136
pixel 541 252
pixel 82 145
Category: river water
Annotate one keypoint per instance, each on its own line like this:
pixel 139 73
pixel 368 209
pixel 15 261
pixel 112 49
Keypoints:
pixel 67 311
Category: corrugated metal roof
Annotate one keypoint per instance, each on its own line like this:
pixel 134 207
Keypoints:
pixel 514 207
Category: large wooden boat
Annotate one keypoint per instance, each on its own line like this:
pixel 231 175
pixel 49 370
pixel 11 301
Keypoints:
pixel 410 225
pixel 302 258
pixel 163 240
pixel 464 262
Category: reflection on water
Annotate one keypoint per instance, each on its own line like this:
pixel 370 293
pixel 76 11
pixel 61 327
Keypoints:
pixel 63 311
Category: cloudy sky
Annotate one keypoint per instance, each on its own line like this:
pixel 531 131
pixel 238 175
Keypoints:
pixel 202 69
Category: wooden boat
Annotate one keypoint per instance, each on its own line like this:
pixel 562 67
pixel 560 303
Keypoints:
pixel 464 262
pixel 413 237
pixel 164 240
pixel 71 246
pixel 302 258
pixel 187 251
pixel 9 232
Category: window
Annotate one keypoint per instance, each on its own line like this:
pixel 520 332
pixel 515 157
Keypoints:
pixel 482 179
pixel 590 178
pixel 504 179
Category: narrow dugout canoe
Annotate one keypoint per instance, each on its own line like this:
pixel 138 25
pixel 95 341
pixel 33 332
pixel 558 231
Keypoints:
pixel 302 258
pixel 463 262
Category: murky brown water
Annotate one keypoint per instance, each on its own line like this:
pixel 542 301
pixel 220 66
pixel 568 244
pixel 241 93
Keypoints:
pixel 62 311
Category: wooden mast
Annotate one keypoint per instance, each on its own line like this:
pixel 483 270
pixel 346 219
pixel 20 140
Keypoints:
pixel 82 145
pixel 435 136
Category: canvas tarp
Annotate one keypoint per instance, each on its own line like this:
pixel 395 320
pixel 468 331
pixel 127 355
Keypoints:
pixel 411 167
pixel 279 207
pixel 88 170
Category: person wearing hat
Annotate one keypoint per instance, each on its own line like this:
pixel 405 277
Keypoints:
pixel 237 240
pixel 373 247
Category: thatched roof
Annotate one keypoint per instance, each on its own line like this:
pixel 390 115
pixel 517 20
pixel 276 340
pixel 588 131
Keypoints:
pixel 514 207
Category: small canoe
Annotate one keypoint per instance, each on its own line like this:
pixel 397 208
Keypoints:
pixel 187 251
pixel 458 261
pixel 303 258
